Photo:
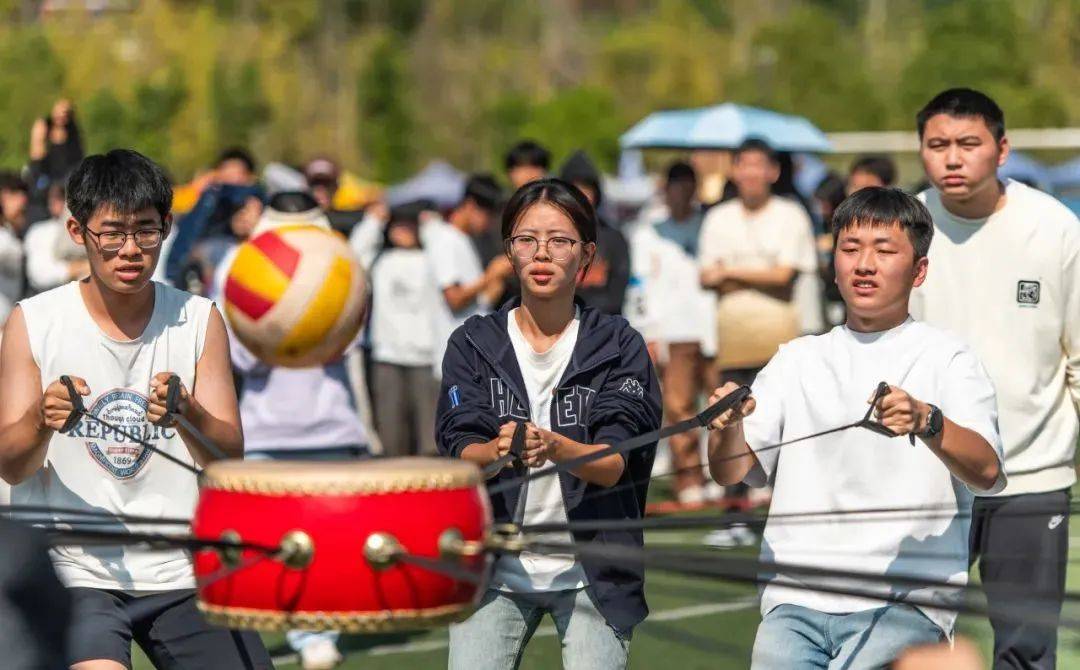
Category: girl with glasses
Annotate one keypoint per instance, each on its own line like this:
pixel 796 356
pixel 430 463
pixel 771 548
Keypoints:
pixel 579 380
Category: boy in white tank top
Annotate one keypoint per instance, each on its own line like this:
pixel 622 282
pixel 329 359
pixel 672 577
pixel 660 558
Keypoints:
pixel 120 336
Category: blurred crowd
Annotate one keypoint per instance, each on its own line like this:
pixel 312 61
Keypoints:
pixel 714 287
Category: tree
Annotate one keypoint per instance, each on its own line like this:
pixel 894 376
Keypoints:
pixel 237 103
pixel 386 123
pixel 30 80
pixel 967 44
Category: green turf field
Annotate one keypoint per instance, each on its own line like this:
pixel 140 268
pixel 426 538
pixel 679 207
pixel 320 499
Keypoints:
pixel 695 624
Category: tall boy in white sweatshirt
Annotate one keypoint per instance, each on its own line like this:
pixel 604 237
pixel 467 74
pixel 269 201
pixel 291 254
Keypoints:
pixel 1006 279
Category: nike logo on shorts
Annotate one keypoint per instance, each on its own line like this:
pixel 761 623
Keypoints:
pixel 1055 521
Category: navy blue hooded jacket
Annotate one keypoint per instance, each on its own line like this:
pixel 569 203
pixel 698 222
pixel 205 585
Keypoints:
pixel 608 393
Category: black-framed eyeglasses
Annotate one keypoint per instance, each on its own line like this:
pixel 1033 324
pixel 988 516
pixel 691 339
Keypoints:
pixel 114 240
pixel 557 248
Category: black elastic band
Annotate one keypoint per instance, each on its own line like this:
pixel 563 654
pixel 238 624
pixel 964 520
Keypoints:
pixel 701 420
pixel 78 409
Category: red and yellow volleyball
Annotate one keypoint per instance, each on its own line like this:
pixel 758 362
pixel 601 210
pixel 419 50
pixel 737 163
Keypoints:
pixel 295 295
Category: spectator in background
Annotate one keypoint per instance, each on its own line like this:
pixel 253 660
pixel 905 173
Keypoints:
pixel 871 171
pixel 55 149
pixel 676 318
pixel 464 286
pixel 604 283
pixel 329 428
pixel 402 337
pixel 527 161
pixel 233 185
pixel 751 252
pixel 323 177
pixel 827 197
pixel 52 258
pixel 476 216
pixel 14 198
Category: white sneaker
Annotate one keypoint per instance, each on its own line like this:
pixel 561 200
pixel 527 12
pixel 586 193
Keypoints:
pixel 720 538
pixel 691 495
pixel 320 654
pixel 743 536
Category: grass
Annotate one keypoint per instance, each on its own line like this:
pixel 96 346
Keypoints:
pixel 695 625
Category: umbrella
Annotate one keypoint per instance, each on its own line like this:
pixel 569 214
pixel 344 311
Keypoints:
pixel 1066 175
pixel 439 182
pixel 724 126
pixel 1024 168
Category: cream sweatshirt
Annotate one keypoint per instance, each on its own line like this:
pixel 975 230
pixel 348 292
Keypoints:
pixel 1009 285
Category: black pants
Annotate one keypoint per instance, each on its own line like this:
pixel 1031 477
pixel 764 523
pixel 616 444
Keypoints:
pixel 1022 546
pixel 167 626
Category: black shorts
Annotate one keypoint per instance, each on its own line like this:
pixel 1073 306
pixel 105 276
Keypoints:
pixel 168 626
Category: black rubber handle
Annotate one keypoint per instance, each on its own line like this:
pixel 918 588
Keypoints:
pixel 517 448
pixel 733 399
pixel 172 401
pixel 172 395
pixel 77 407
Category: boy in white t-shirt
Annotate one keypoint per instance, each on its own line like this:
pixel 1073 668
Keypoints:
pixel 938 392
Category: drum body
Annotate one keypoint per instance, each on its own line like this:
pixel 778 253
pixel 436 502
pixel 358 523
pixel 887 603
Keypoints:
pixel 336 509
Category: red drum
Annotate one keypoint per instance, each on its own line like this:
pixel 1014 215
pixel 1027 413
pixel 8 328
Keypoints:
pixel 341 527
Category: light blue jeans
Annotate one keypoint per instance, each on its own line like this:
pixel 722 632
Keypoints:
pixel 494 637
pixel 298 639
pixel 792 637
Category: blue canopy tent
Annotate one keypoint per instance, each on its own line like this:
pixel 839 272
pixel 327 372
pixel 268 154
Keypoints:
pixel 1066 176
pixel 439 182
pixel 724 126
pixel 1024 168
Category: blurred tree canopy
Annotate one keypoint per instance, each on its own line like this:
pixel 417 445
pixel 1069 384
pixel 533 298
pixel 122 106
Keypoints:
pixel 386 85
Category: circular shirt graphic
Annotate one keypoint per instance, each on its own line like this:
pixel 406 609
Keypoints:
pixel 125 410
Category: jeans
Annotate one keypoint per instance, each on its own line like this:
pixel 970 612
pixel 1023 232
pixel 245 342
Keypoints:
pixel 494 637
pixel 793 637
pixel 297 639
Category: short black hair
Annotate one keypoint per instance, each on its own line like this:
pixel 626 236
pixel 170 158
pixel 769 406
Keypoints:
pixel 757 144
pixel 557 193
pixel 886 206
pixel 681 171
pixel 11 181
pixel 237 154
pixel 961 102
pixel 528 153
pixel 881 167
pixel 483 190
pixel 293 202
pixel 832 190
pixel 123 180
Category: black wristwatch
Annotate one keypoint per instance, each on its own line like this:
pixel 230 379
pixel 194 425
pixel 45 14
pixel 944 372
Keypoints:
pixel 934 423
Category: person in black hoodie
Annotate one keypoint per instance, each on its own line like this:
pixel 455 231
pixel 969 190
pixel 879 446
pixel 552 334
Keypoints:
pixel 604 287
pixel 580 380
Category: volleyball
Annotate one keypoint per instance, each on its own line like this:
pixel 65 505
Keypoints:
pixel 295 295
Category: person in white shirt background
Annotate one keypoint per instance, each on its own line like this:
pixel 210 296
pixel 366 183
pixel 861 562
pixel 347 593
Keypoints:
pixel 938 392
pixel 676 317
pixel 1007 280
pixel 752 252
pixel 52 258
pixel 401 335
pixel 14 199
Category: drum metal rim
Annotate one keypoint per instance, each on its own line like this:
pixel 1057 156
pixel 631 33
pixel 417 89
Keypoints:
pixel 281 478
pixel 384 621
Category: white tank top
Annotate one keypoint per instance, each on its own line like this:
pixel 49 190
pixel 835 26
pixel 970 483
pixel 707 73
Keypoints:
pixel 93 468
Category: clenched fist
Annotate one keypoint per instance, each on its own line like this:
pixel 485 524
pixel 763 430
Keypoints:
pixel 56 405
